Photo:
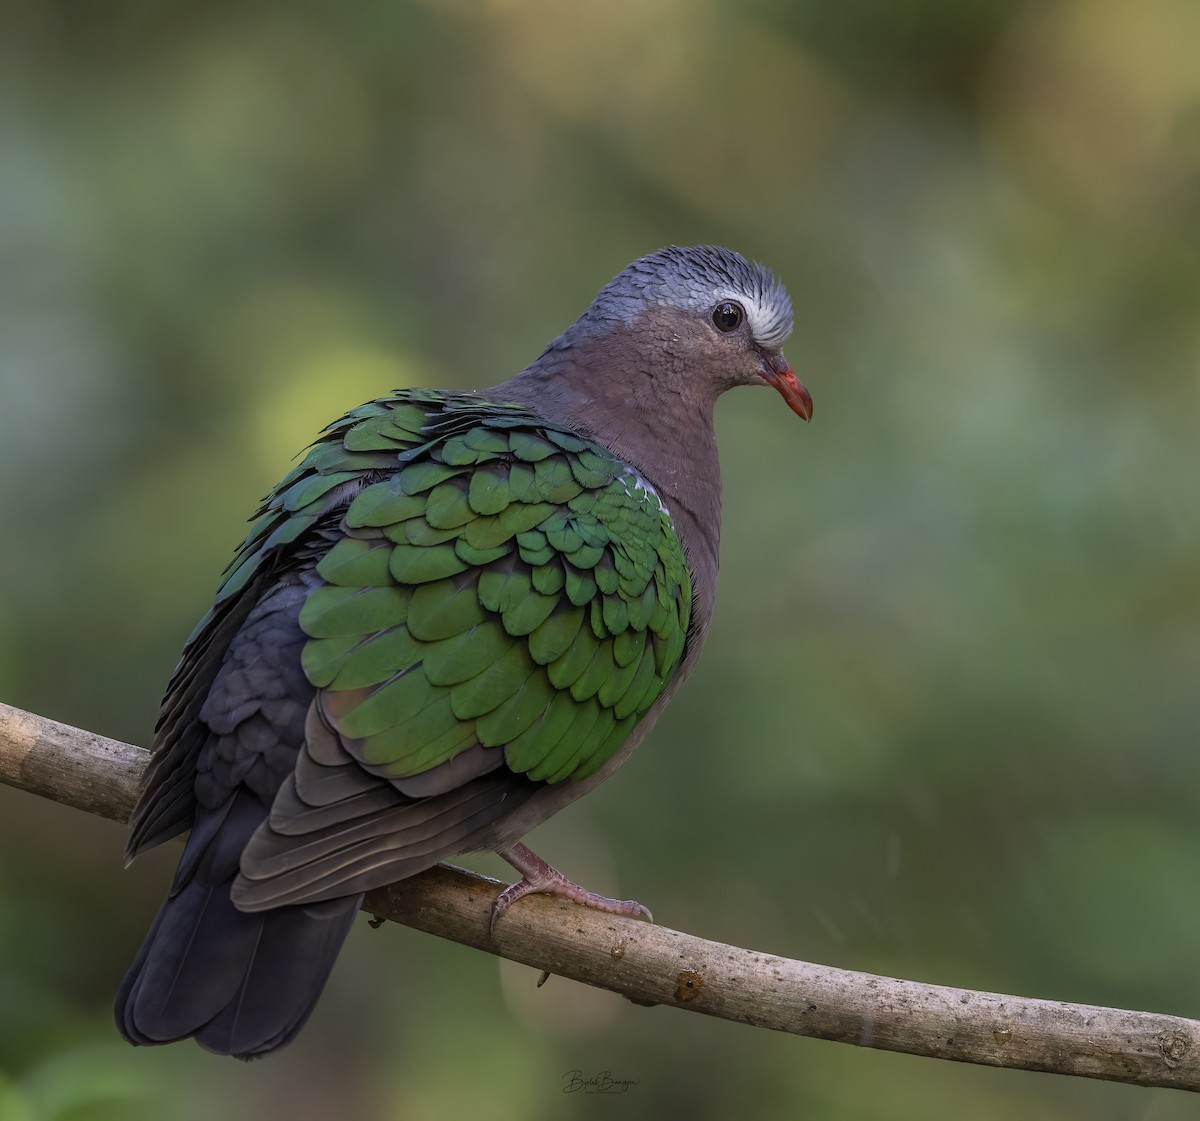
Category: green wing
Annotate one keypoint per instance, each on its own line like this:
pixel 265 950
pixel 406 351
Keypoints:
pixel 489 582
pixel 510 585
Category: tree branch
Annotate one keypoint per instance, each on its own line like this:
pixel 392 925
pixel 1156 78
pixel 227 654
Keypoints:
pixel 656 965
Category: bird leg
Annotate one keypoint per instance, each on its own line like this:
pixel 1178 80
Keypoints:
pixel 540 878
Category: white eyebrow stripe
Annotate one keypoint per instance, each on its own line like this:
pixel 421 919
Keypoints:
pixel 770 324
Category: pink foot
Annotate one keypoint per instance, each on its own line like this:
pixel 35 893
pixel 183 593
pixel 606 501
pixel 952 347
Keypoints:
pixel 540 878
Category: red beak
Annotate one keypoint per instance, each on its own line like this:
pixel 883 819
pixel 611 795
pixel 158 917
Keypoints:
pixel 779 374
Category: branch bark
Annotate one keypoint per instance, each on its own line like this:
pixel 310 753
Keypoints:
pixel 657 965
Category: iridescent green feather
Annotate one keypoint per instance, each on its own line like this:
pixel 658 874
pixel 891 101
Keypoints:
pixel 498 581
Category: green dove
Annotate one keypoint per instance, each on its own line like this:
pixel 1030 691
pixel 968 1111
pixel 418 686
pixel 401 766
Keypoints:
pixel 457 614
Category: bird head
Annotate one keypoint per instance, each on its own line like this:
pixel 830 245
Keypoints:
pixel 723 318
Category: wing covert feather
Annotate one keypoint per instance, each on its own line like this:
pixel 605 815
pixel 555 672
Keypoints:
pixel 526 589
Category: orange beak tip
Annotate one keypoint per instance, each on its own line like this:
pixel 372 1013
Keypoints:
pixel 793 391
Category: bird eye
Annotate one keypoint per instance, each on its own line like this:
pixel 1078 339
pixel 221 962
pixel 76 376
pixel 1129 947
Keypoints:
pixel 727 316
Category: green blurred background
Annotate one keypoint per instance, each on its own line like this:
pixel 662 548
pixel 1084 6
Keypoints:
pixel 946 727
